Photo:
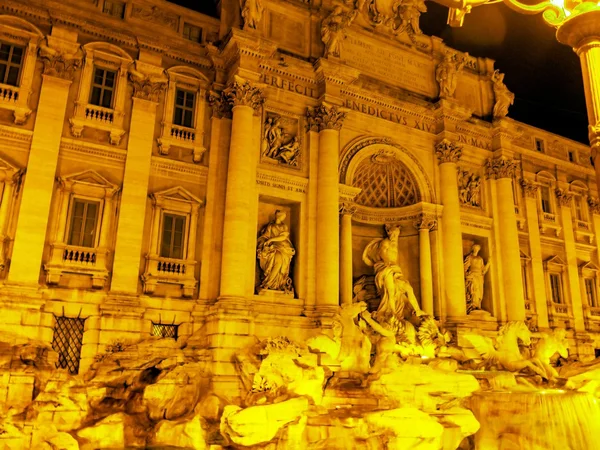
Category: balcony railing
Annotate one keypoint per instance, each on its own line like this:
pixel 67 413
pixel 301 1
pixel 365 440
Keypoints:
pixel 594 311
pixel 171 271
pixel 582 225
pixel 549 217
pixel 172 267
pixel 560 309
pixel 79 255
pixel 9 94
pixel 183 133
pixel 99 114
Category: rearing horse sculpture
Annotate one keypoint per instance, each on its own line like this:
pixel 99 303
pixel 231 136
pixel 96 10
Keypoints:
pixel 505 353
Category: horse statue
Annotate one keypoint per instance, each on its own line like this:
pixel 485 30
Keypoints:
pixel 505 353
pixel 548 345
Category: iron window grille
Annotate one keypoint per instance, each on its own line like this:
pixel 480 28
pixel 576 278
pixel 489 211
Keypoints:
pixel 165 331
pixel 67 342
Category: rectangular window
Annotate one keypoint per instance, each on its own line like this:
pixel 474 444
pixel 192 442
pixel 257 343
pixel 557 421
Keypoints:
pixel 67 342
pixel 165 331
pixel 114 8
pixel 11 60
pixel 103 87
pixel 578 202
pixel 184 108
pixel 556 288
pixel 84 217
pixel 192 32
pixel 571 156
pixel 172 236
pixel 590 292
pixel 539 145
pixel 546 205
pixel 525 283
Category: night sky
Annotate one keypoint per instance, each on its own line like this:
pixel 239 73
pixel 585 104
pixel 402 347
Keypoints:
pixel 544 75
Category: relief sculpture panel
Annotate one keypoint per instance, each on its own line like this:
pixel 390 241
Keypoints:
pixel 281 142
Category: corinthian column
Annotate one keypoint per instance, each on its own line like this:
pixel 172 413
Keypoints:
pixel 245 100
pixel 346 211
pixel 448 154
pixel 425 224
pixel 130 227
pixel 503 171
pixel 59 65
pixel 328 122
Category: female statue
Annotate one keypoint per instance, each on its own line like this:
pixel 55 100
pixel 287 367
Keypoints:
pixel 475 270
pixel 332 30
pixel 252 11
pixel 446 74
pixel 504 98
pixel 382 254
pixel 275 252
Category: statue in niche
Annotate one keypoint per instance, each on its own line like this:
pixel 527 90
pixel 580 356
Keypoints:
pixel 446 73
pixel 469 186
pixel 475 270
pixel 504 98
pixel 332 30
pixel 252 11
pixel 277 145
pixel 275 252
pixel 394 290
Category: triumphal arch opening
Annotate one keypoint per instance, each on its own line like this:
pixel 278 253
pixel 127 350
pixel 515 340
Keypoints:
pixel 304 224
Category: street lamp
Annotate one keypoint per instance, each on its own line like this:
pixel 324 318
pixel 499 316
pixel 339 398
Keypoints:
pixel 577 25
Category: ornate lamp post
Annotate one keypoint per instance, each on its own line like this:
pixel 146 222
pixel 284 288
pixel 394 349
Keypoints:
pixel 577 24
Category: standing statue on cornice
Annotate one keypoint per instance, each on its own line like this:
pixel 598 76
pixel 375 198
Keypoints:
pixel 275 252
pixel 446 73
pixel 410 13
pixel 504 98
pixel 332 30
pixel 252 11
pixel 475 270
pixel 392 287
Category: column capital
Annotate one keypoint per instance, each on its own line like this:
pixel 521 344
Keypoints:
pixel 426 222
pixel 564 197
pixel 59 65
pixel 530 188
pixel 241 93
pixel 146 88
pixel 500 167
pixel 594 205
pixel 325 118
pixel 347 208
pixel 447 151
pixel 221 109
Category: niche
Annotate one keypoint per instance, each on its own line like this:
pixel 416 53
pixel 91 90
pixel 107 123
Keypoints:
pixel 275 256
pixel 468 242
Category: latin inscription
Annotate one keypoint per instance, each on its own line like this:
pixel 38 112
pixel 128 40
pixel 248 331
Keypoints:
pixel 287 85
pixel 386 114
pixel 389 64
pixel 283 187
pixel 470 140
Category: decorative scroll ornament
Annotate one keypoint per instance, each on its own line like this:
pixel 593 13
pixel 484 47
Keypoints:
pixel 447 151
pixel 564 197
pixel 219 104
pixel 594 205
pixel 347 209
pixel 426 222
pixel 469 187
pixel 497 168
pixel 530 189
pixel 504 98
pixel 146 88
pixel 332 30
pixel 58 64
pixel 244 94
pixel 446 73
pixel 325 118
pixel 252 12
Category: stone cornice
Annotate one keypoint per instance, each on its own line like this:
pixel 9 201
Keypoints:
pixel 272 178
pixel 405 108
pixel 12 137
pixel 170 168
pixel 406 215
pixel 78 149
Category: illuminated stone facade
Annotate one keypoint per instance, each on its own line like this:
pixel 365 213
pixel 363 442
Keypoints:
pixel 143 151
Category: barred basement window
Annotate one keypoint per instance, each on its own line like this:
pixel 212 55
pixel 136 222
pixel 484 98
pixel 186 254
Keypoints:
pixel 67 342
pixel 165 331
pixel 11 61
